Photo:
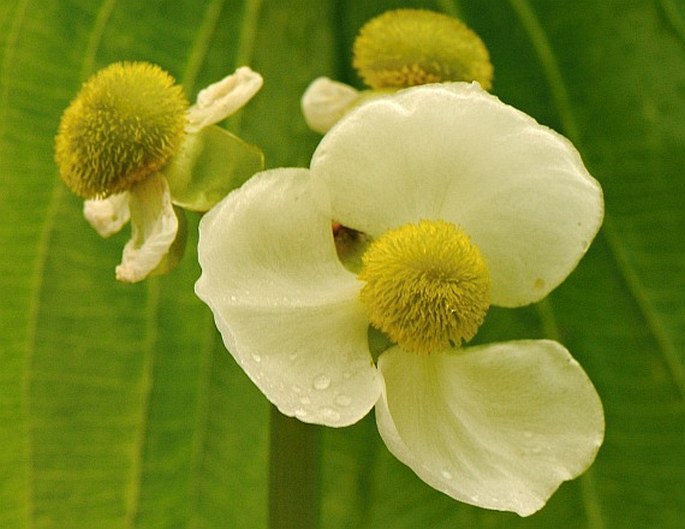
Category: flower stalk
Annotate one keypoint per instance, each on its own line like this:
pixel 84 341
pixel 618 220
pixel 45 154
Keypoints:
pixel 293 473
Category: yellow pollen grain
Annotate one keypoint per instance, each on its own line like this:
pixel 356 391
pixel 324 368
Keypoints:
pixel 427 286
pixel 124 124
pixel 409 47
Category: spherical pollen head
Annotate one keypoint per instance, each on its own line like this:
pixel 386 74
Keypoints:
pixel 409 47
pixel 427 286
pixel 125 123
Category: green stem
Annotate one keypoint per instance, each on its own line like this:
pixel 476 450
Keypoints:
pixel 294 474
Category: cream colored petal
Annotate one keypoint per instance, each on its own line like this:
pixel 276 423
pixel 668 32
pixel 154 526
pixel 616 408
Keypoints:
pixel 325 101
pixel 108 215
pixel 153 229
pixel 499 426
pixel 223 98
pixel 287 309
pixel 455 152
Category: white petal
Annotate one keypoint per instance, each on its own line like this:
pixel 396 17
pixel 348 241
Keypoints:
pixel 287 309
pixel 108 215
pixel 499 426
pixel 153 229
pixel 223 98
pixel 325 102
pixel 455 152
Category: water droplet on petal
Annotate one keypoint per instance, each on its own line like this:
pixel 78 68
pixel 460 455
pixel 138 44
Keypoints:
pixel 343 400
pixel 322 382
pixel 256 357
pixel 446 474
pixel 329 413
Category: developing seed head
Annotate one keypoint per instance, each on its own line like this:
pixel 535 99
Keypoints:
pixel 409 47
pixel 427 286
pixel 125 123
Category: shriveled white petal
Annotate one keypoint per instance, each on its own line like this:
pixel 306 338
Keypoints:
pixel 108 215
pixel 499 426
pixel 325 101
pixel 287 309
pixel 455 152
pixel 153 229
pixel 223 98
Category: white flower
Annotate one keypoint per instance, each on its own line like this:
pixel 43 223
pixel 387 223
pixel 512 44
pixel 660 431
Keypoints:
pixel 431 168
pixel 148 203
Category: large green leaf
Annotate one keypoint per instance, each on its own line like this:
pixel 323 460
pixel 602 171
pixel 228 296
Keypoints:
pixel 120 408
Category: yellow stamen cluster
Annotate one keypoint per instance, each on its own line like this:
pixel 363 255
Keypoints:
pixel 427 286
pixel 125 123
pixel 409 47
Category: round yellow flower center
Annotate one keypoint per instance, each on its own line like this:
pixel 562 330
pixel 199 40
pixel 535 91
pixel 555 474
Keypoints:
pixel 427 286
pixel 125 123
pixel 409 47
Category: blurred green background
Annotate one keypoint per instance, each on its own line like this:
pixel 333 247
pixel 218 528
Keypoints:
pixel 119 406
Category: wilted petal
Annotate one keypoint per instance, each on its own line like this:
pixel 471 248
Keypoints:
pixel 108 215
pixel 153 229
pixel 499 426
pixel 457 153
pixel 287 309
pixel 223 98
pixel 325 102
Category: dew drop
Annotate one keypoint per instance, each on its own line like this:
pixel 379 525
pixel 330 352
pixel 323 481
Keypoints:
pixel 256 357
pixel 343 400
pixel 446 474
pixel 322 382
pixel 330 413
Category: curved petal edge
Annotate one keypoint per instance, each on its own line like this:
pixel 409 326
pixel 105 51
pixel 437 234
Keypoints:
pixel 287 309
pixel 499 426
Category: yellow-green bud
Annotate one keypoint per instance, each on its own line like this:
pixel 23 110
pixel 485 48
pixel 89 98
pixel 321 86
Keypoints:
pixel 409 47
pixel 125 123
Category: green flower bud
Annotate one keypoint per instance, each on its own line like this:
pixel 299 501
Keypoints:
pixel 125 123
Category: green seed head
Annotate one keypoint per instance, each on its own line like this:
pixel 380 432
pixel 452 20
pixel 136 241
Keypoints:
pixel 409 47
pixel 124 124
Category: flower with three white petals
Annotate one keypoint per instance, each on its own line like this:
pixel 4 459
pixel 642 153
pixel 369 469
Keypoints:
pixel 499 426
pixel 148 204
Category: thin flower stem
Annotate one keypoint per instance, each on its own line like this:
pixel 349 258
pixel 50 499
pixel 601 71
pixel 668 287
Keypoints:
pixel 294 474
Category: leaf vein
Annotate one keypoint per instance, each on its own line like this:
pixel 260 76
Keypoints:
pixel 198 53
pixel 674 18
pixel 570 127
pixel 146 382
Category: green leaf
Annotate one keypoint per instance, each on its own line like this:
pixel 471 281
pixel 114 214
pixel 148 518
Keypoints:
pixel 119 406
